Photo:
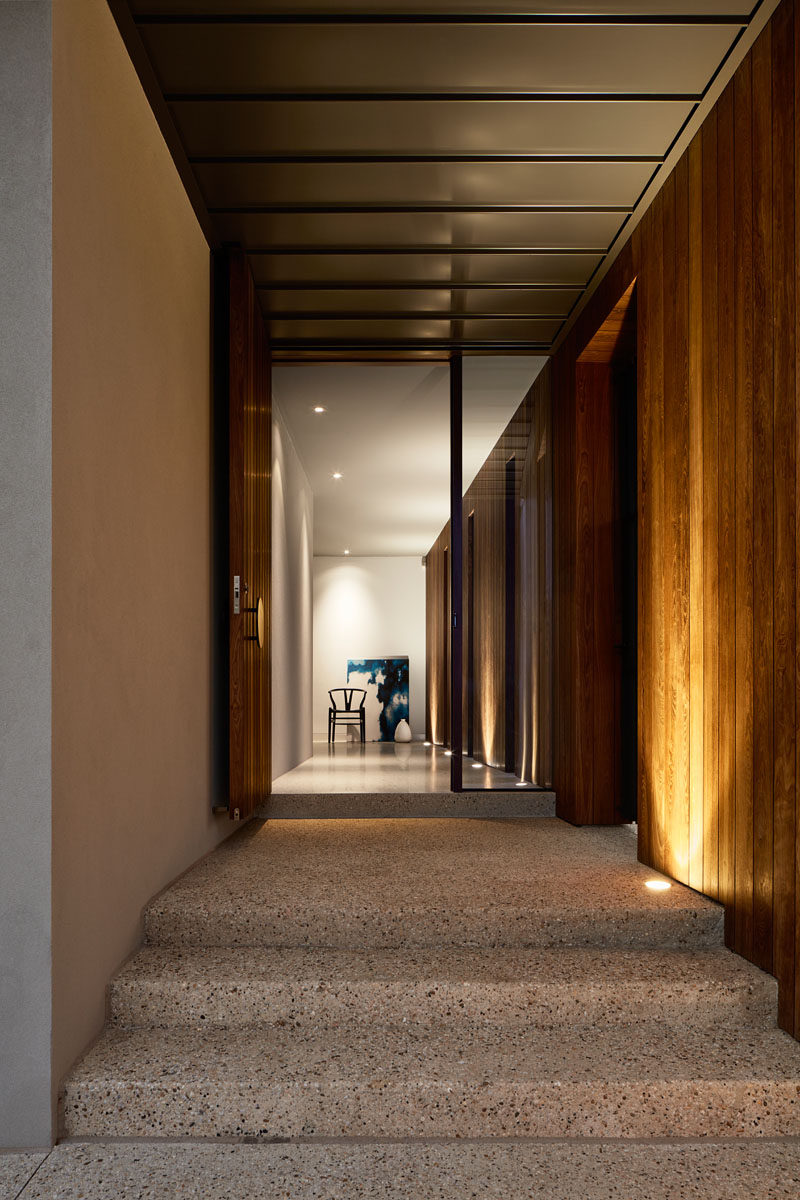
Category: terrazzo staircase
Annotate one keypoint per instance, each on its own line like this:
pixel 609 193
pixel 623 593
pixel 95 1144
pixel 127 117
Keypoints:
pixel 424 980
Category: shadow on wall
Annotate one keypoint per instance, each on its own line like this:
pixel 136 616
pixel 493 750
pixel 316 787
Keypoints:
pixel 291 624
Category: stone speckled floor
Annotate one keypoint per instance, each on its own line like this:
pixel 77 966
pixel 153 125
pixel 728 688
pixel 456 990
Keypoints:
pixel 432 1008
pixel 15 1171
pixel 518 1170
pixel 403 883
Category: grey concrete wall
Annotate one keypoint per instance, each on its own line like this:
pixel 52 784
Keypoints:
pixel 291 618
pixel 25 577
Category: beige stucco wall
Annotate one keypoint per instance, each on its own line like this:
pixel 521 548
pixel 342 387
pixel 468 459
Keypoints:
pixel 131 520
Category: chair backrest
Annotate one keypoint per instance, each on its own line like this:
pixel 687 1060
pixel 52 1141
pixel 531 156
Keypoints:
pixel 347 695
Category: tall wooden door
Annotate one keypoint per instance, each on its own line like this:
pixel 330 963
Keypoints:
pixel 249 470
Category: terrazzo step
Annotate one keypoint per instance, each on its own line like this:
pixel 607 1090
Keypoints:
pixel 306 920
pixel 747 1169
pixel 415 883
pixel 308 988
pixel 640 1081
pixel 487 804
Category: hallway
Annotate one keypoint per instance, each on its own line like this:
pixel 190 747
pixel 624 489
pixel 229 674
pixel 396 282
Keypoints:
pixel 449 355
pixel 370 993
pixel 350 766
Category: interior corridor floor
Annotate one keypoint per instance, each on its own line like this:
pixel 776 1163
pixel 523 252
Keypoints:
pixel 352 766
pixel 431 1009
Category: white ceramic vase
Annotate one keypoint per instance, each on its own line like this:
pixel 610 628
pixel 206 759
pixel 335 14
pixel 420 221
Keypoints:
pixel 402 732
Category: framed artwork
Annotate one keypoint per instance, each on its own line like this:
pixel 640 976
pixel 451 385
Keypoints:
pixel 385 680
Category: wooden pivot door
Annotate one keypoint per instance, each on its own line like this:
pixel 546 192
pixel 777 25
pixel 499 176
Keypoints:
pixel 248 605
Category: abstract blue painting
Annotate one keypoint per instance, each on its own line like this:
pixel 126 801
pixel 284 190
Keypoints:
pixel 385 681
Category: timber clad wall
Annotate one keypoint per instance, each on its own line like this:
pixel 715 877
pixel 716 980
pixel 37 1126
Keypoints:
pixel 716 265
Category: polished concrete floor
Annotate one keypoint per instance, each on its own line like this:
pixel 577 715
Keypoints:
pixel 350 766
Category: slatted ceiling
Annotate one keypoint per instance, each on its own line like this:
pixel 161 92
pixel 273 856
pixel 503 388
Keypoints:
pixel 608 183
pixel 559 57
pixel 353 140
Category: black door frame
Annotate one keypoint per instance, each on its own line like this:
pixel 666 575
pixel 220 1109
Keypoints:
pixel 456 573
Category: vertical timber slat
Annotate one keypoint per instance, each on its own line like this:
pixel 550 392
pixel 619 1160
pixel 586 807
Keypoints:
pixel 727 507
pixel 743 290
pixel 784 508
pixel 763 474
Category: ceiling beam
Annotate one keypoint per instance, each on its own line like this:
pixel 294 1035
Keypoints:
pixel 407 18
pixel 436 158
pixel 376 96
pixel 419 248
pixel 408 315
pixel 500 346
pixel 444 206
pixel 417 285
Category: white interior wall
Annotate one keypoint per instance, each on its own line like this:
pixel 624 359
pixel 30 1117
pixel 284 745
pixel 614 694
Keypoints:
pixel 368 608
pixel 291 619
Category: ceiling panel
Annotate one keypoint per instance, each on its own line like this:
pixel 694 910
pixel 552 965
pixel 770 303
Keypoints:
pixel 522 302
pixel 563 58
pixel 418 183
pixel 411 126
pixel 537 332
pixel 594 230
pixel 445 269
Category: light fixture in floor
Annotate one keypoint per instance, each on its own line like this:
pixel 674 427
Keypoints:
pixel 337 475
pixel 657 885
pixel 426 743
pixel 347 551
pixel 477 765
pixel 318 408
pixel 448 753
pixel 522 784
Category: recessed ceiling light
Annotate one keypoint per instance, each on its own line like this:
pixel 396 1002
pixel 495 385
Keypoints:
pixel 318 408
pixel 337 474
pixel 347 551
pixel 658 885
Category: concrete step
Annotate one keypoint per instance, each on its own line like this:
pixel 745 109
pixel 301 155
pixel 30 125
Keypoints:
pixel 516 803
pixel 748 1169
pixel 415 883
pixel 308 921
pixel 305 989
pixel 620 1081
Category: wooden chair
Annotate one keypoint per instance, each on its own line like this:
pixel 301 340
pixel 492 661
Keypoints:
pixel 347 711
